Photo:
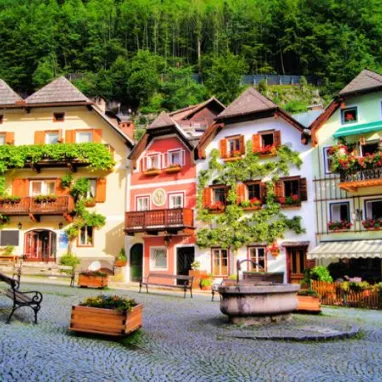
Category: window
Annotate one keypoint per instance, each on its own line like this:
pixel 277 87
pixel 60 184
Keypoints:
pixel 267 139
pixel 42 187
pixel 175 157
pixel 143 203
pixel 84 136
pixel 220 262
pixel 152 161
pixel 51 137
pixel 233 146
pixel 176 201
pixel 92 189
pixel 253 191
pixel 257 255
pixel 86 236
pixel 327 161
pixel 373 209
pixel 219 194
pixel 340 211
pixel 58 117
pixel 349 115
pixel 291 187
pixel 158 258
pixel 370 148
pixel 9 237
pixel 2 139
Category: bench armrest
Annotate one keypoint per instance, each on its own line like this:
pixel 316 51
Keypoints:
pixel 37 295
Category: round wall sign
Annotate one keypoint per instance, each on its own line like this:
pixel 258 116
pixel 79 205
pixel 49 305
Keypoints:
pixel 159 197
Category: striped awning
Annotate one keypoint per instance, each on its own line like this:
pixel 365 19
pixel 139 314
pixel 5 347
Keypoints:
pixel 351 249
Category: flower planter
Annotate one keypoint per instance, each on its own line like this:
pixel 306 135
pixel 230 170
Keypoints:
pixel 339 230
pixel 92 281
pixel 198 275
pixel 151 172
pixel 90 203
pixel 171 170
pixel 252 208
pixel 105 321
pixel 274 253
pixel 120 263
pixel 308 304
pixel 232 159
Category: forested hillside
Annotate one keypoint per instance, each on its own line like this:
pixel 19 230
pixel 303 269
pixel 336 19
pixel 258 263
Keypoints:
pixel 142 52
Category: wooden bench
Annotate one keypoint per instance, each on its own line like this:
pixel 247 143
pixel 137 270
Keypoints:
pixel 32 298
pixel 186 282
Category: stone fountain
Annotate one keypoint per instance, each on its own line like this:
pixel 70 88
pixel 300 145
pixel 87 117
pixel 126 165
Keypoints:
pixel 257 303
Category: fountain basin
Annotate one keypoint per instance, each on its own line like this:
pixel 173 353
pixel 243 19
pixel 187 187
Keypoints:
pixel 256 304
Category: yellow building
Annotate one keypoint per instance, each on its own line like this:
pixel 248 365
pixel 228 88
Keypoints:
pixel 50 136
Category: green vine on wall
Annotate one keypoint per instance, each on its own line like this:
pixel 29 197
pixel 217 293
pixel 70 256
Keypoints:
pixel 233 228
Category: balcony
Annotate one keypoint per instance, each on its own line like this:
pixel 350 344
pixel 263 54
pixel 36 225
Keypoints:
pixel 62 205
pixel 152 222
pixel 361 179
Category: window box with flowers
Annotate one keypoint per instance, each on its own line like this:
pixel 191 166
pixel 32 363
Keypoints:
pixel 274 249
pixel 251 204
pixel 293 200
pixel 267 151
pixel 338 226
pixel 372 224
pixel 216 207
pixel 233 156
pixel 152 171
pixel 173 168
pixel 93 279
pixel 10 199
pixel 107 315
pixel 45 198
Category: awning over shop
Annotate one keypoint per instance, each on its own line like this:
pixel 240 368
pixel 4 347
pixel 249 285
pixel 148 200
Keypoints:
pixel 351 249
pixel 358 129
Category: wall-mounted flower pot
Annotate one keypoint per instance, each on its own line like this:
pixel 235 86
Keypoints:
pixel 120 263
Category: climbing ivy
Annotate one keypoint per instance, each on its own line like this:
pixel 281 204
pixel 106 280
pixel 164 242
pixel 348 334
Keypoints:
pixel 232 228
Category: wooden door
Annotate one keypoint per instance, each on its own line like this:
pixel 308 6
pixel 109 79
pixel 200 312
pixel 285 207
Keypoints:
pixel 31 246
pixel 296 264
pixel 136 262
pixel 185 257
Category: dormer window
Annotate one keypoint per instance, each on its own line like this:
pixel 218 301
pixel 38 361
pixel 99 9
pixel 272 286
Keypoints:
pixel 58 117
pixel 152 161
pixel 349 115
pixel 175 157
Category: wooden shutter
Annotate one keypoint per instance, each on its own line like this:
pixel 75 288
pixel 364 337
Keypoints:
pixel 97 135
pixel 279 189
pixel 60 136
pixel 20 187
pixel 223 148
pixel 242 144
pixel 240 191
pixel 101 190
pixel 70 136
pixel 206 197
pixel 277 138
pixel 303 190
pixel 263 191
pixel 256 143
pixel 59 189
pixel 39 137
pixel 9 138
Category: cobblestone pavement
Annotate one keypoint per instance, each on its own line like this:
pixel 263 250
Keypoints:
pixel 183 340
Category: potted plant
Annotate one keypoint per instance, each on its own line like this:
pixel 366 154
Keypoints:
pixel 274 249
pixel 197 273
pixel 174 167
pixel 217 207
pixel 121 259
pixel 308 301
pixel 89 202
pixel 45 198
pixel 206 282
pixel 93 279
pixel 108 315
pixel 372 224
pixel 10 199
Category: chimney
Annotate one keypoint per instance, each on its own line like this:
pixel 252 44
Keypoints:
pixel 100 103
pixel 128 128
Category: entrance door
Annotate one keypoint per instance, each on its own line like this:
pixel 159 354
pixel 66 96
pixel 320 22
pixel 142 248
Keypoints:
pixel 136 262
pixel 40 245
pixel 185 257
pixel 296 263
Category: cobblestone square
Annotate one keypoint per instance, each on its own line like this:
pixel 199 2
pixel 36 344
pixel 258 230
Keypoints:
pixel 182 340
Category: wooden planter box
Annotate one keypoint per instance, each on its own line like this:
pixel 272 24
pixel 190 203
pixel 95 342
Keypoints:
pixel 92 281
pixel 152 172
pixel 170 170
pixel 232 159
pixel 308 304
pixel 198 275
pixel 105 321
pixel 120 263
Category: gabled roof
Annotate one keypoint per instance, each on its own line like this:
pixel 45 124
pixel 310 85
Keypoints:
pixel 59 91
pixel 7 95
pixel 249 102
pixel 189 111
pixel 163 120
pixel 365 82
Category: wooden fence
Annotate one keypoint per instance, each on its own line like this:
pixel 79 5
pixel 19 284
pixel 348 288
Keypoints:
pixel 333 294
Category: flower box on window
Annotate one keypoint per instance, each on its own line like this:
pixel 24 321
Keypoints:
pixel 173 168
pixel 267 151
pixel 216 207
pixel 10 199
pixel 293 200
pixel 372 224
pixel 251 204
pixel 45 198
pixel 337 226
pixel 152 171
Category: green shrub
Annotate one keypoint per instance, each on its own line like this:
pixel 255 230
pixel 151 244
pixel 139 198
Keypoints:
pixel 70 260
pixel 320 273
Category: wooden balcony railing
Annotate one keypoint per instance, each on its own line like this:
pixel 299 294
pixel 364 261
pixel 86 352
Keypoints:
pixel 29 205
pixel 363 178
pixel 159 220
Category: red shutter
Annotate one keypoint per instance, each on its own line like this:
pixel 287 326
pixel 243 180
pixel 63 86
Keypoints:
pixel 277 138
pixel 70 136
pixel 256 143
pixel 20 187
pixel 242 144
pixel 206 197
pixel 10 138
pixel 279 192
pixel 39 137
pixel 59 189
pixel 223 148
pixel 303 190
pixel 240 191
pixel 101 190
pixel 263 191
pixel 97 135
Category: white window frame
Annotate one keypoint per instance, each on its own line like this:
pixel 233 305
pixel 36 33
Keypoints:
pixel 366 202
pixel 142 197
pixel 177 194
pixel 326 160
pixel 90 132
pixel 51 133
pixel 213 261
pixel 175 151
pixel 235 138
pixel 152 260
pixel 44 188
pixel 3 138
pixel 92 184
pixel 147 161
pixel 86 237
pixel 256 258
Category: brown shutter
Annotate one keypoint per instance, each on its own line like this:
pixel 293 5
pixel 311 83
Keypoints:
pixel 256 143
pixel 242 144
pixel 240 191
pixel 303 190
pixel 9 138
pixel 39 137
pixel 223 148
pixel 279 189
pixel 101 190
pixel 263 191
pixel 20 187
pixel 277 138
pixel 206 200
pixel 70 136
pixel 59 189
pixel 97 135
